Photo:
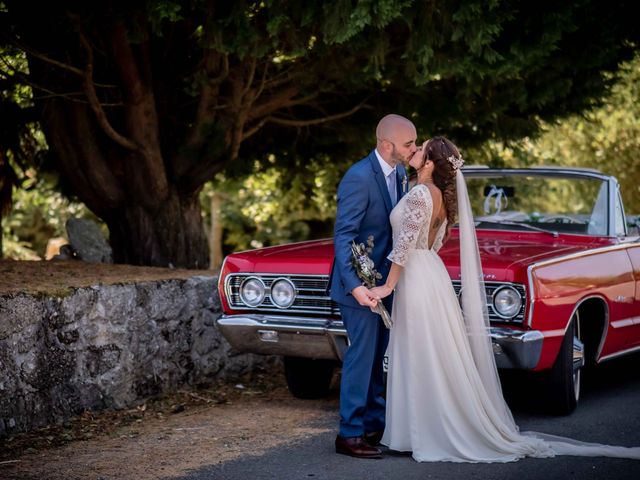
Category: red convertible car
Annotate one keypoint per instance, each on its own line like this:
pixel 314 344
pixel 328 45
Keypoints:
pixel 562 280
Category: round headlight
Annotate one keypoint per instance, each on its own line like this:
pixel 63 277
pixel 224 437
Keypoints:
pixel 252 291
pixel 459 294
pixel 283 293
pixel 507 302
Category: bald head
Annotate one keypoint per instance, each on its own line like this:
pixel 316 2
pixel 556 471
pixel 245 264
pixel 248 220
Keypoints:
pixel 396 139
pixel 390 124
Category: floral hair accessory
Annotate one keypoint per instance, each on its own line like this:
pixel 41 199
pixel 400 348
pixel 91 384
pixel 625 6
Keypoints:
pixel 456 162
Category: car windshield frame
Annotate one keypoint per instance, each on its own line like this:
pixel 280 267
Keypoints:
pixel 479 172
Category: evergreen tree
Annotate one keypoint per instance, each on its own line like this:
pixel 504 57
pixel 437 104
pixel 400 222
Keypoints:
pixel 142 102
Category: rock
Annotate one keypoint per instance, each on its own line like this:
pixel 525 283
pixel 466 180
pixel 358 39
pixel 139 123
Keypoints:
pixel 87 241
pixel 66 253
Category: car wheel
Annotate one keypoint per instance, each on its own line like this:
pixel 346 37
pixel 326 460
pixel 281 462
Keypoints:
pixel 565 376
pixel 307 377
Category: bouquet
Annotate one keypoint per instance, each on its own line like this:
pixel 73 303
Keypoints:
pixel 366 271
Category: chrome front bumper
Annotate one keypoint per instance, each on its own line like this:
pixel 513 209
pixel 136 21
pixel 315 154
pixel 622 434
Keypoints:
pixel 322 338
pixel 515 348
pixel 285 335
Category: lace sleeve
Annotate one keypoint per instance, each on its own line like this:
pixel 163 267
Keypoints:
pixel 417 212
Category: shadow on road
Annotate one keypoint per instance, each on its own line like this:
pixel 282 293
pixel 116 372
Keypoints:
pixel 609 412
pixel 524 390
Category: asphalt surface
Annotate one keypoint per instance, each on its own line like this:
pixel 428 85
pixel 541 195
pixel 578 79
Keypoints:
pixel 609 413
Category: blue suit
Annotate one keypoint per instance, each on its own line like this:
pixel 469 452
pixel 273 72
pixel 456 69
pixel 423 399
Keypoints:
pixel 364 206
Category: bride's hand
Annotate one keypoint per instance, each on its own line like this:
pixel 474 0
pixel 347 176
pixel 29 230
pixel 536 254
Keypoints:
pixel 381 292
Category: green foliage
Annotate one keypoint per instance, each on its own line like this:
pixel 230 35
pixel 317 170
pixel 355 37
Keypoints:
pixel 606 138
pixel 272 206
pixel 479 68
pixel 232 82
pixel 21 140
pixel 343 20
pixel 39 214
pixel 161 11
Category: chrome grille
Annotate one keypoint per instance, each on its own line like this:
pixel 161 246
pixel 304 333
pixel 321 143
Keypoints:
pixel 311 297
pixel 490 288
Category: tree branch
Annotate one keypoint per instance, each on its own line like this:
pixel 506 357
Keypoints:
pixel 263 81
pixel 72 136
pixel 148 179
pixel 252 72
pixel 208 97
pixel 25 79
pixel 206 106
pixel 284 77
pixel 94 103
pixel 301 123
pixel 275 102
pixel 217 80
pixel 253 130
pixel 268 107
pixel 52 61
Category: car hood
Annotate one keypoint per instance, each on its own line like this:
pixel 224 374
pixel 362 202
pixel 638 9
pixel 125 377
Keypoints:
pixel 313 258
pixel 504 256
pixel 506 259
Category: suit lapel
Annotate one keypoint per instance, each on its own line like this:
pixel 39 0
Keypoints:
pixel 382 183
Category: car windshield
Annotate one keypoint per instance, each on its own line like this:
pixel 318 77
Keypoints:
pixel 538 202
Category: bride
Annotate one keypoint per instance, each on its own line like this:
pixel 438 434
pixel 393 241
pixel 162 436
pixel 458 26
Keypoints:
pixel 444 400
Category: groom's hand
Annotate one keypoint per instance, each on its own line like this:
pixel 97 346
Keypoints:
pixel 381 292
pixel 363 296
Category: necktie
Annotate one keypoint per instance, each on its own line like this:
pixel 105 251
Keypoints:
pixel 391 184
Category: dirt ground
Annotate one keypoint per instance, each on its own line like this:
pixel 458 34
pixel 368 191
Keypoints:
pixel 167 437
pixel 163 437
pixel 57 276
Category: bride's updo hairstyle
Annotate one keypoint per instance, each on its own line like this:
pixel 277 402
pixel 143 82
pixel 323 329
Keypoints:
pixel 446 159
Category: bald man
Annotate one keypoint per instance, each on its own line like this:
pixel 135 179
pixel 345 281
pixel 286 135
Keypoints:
pixel 366 195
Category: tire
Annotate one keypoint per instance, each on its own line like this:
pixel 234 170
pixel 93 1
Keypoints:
pixel 308 378
pixel 565 377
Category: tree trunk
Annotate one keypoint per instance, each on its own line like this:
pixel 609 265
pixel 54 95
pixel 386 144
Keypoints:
pixel 171 236
pixel 215 232
pixel 118 188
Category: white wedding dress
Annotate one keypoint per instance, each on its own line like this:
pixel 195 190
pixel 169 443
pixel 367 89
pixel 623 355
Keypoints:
pixel 441 404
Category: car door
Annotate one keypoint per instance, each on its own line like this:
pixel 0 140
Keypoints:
pixel 634 331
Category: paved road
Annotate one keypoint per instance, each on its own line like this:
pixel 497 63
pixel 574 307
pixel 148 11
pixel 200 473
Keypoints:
pixel 609 413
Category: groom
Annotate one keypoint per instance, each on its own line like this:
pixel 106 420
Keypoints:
pixel 366 195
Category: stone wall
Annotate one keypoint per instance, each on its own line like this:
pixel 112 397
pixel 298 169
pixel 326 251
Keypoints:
pixel 108 346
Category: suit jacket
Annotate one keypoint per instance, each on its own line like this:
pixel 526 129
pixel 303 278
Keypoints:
pixel 364 206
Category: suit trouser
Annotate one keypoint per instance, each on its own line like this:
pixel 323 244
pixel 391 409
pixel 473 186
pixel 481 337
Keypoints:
pixel 362 403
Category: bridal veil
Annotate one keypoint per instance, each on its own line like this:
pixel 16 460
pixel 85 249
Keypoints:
pixel 473 300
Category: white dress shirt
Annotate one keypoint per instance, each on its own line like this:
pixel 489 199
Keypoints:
pixel 390 176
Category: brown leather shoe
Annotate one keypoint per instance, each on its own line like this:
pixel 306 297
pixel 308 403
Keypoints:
pixel 356 447
pixel 373 438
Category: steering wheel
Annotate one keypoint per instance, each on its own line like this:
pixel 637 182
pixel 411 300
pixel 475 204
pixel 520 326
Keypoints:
pixel 559 219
